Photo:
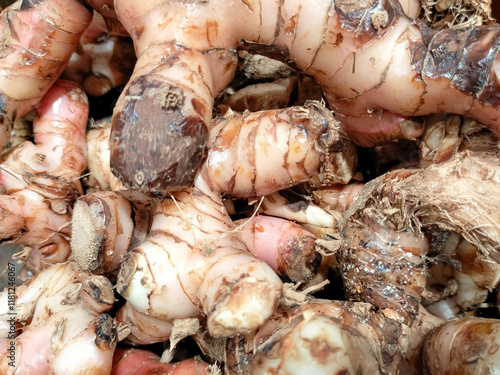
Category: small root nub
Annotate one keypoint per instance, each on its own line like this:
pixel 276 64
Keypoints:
pixel 173 99
pixel 379 20
pixel 139 177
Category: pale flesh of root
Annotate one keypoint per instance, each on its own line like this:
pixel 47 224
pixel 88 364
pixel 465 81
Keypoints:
pixel 75 302
pixel 290 205
pixel 44 35
pixel 259 153
pixel 257 67
pixel 411 8
pixel 263 96
pixel 392 345
pixel 193 259
pixel 43 176
pixel 293 349
pixel 466 346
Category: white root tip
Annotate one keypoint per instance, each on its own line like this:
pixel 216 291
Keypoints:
pixel 245 305
pixel 135 281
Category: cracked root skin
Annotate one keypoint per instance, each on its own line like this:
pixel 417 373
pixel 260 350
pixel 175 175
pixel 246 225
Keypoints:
pixel 37 41
pixel 376 66
pixel 466 346
pixel 42 177
pixel 63 308
pixel 256 154
pixel 193 262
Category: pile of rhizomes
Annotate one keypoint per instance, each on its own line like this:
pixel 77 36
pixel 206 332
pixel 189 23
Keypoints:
pixel 192 193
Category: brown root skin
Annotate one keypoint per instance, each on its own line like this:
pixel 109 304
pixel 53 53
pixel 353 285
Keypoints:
pixel 458 13
pixel 403 202
pixel 174 137
pixel 161 120
pixel 300 259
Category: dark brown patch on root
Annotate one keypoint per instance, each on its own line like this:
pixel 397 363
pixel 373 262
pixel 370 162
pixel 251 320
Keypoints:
pixel 444 53
pixel 106 333
pixel 28 4
pixel 466 58
pixel 299 260
pixel 155 145
pixel 474 69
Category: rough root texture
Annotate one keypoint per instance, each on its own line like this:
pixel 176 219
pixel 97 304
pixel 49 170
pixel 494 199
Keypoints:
pixel 163 153
pixel 456 14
